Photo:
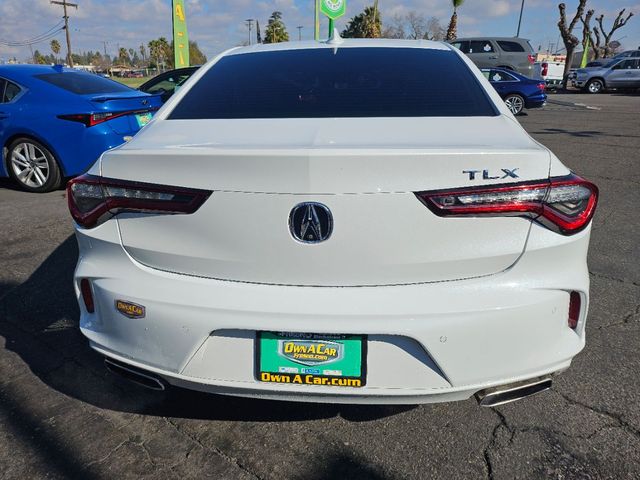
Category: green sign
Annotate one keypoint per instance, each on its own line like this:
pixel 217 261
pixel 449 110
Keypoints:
pixel 333 8
pixel 180 35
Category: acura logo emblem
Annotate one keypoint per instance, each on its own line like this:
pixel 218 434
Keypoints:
pixel 310 222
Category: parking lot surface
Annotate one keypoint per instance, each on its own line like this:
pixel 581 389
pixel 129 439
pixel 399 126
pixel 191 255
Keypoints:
pixel 63 416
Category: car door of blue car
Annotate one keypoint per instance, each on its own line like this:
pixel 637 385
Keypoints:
pixel 9 93
pixel 502 81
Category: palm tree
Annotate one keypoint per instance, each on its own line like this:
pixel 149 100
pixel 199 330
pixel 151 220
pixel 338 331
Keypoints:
pixel 123 56
pixel 452 31
pixel 55 48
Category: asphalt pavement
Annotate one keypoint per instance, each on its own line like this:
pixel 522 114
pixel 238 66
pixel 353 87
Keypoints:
pixel 63 416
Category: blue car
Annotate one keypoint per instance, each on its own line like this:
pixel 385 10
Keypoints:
pixel 517 91
pixel 55 122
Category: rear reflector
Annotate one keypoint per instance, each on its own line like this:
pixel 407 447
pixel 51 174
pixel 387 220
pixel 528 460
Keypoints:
pixel 87 295
pixel 564 204
pixel 92 199
pixel 574 309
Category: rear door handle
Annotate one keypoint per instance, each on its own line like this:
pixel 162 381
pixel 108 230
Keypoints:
pixel 494 57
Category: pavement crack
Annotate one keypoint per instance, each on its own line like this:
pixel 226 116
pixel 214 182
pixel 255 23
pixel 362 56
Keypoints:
pixel 615 279
pixel 616 417
pixel 212 449
pixel 106 457
pixel 486 453
pixel 628 318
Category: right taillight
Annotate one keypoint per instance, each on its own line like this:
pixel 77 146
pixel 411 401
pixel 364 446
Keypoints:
pixel 574 309
pixel 545 69
pixel 564 204
pixel 93 198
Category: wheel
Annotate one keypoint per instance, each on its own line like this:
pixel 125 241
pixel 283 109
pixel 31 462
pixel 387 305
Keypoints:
pixel 515 103
pixel 594 86
pixel 32 166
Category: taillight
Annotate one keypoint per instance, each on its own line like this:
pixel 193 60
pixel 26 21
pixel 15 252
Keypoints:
pixel 545 69
pixel 574 309
pixel 92 198
pixel 92 119
pixel 542 86
pixel 531 58
pixel 564 204
pixel 87 295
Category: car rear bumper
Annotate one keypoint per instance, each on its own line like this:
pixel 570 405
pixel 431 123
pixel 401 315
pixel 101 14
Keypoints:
pixel 426 342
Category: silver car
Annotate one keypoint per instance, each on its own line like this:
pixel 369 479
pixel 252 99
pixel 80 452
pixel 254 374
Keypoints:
pixel 502 52
pixel 619 73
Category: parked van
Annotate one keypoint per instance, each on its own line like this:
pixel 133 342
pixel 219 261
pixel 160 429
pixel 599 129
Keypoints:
pixel 504 52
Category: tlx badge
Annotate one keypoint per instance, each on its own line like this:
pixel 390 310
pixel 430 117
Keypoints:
pixel 504 173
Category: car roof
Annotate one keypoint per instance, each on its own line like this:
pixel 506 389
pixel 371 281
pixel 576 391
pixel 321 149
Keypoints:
pixel 508 39
pixel 339 43
pixel 20 71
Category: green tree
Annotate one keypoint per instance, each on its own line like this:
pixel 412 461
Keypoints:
pixel 55 48
pixel 123 56
pixel 365 25
pixel 276 31
pixel 196 57
pixel 143 52
pixel 452 31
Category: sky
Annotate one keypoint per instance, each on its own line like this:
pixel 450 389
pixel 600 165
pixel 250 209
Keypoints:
pixel 220 24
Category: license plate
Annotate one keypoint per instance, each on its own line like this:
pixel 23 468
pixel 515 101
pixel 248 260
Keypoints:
pixel 143 118
pixel 311 359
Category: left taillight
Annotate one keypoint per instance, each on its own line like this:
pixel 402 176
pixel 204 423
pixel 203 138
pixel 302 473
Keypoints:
pixel 93 199
pixel 564 204
pixel 531 58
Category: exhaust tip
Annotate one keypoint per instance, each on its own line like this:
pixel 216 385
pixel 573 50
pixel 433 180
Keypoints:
pixel 492 397
pixel 135 375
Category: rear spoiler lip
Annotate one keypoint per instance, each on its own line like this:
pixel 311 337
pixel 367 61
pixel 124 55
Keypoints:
pixel 103 99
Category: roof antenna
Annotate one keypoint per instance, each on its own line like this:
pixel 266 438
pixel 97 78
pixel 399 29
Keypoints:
pixel 335 38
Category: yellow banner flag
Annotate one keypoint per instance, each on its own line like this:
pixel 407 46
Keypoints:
pixel 180 35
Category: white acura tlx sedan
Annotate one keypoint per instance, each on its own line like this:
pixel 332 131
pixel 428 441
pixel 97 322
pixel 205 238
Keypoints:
pixel 347 221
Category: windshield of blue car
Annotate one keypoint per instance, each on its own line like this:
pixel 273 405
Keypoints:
pixel 82 83
pixel 341 82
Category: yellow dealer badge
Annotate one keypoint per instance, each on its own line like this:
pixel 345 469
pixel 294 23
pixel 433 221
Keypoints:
pixel 131 310
pixel 310 352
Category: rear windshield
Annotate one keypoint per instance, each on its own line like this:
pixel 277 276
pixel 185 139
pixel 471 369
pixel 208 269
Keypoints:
pixel 510 46
pixel 342 82
pixel 83 83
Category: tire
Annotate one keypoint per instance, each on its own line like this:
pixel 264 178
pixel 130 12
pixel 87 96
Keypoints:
pixel 32 166
pixel 515 103
pixel 594 86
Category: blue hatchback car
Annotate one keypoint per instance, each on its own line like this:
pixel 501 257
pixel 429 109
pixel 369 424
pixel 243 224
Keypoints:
pixel 517 91
pixel 55 122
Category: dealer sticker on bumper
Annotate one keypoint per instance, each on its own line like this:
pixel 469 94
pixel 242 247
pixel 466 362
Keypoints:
pixel 311 359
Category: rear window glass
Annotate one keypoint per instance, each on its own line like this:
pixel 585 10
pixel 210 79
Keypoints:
pixel 343 82
pixel 511 46
pixel 83 83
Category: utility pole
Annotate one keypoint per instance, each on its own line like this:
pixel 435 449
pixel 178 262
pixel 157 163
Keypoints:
pixel 249 23
pixel 66 4
pixel 299 27
pixel 520 19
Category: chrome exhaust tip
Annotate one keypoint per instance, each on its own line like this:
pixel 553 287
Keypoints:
pixel 135 375
pixel 494 396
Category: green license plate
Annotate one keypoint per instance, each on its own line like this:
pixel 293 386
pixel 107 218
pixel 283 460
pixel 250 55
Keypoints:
pixel 311 359
pixel 143 118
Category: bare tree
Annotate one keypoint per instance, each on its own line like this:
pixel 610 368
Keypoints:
pixel 435 30
pixel 602 46
pixel 414 26
pixel 587 39
pixel 569 39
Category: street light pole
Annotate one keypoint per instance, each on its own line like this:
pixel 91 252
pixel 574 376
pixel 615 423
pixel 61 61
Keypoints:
pixel 299 27
pixel 520 19
pixel 249 23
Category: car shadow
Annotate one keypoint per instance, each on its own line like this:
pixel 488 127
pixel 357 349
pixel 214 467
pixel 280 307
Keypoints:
pixel 39 321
